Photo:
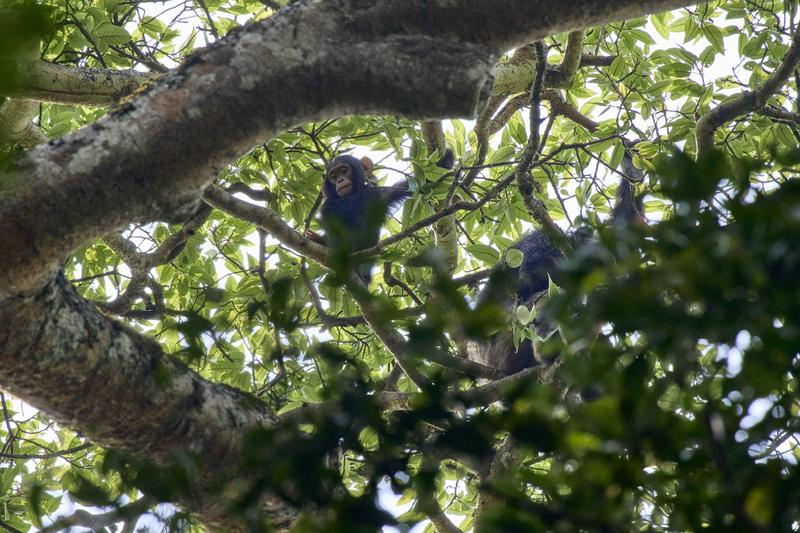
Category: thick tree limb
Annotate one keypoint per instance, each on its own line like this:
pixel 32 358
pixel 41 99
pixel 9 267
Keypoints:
pixel 562 75
pixel 50 82
pixel 518 73
pixel 780 114
pixel 61 355
pixel 594 60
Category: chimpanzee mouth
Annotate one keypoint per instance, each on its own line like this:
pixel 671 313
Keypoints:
pixel 344 189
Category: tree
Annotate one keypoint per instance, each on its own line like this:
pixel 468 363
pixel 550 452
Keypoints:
pixel 161 304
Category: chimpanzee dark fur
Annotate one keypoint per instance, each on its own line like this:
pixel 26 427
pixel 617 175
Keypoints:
pixel 628 208
pixel 527 283
pixel 353 222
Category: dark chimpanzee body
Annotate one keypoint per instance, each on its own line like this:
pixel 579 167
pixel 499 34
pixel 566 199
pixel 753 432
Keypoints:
pixel 540 257
pixel 526 284
pixel 354 210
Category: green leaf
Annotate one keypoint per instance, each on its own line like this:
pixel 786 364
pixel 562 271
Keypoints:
pixel 661 23
pixel 106 34
pixel 514 257
pixel 659 87
pixel 643 36
pixel 715 37
pixel 502 154
pixel 484 253
pixel 523 314
pixel 618 67
pixel 783 134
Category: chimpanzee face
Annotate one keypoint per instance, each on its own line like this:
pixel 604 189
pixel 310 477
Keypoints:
pixel 341 177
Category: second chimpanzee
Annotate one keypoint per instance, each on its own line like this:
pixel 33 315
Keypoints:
pixel 354 210
pixel 526 283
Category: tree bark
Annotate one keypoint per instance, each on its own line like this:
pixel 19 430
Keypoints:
pixel 61 355
pixel 51 82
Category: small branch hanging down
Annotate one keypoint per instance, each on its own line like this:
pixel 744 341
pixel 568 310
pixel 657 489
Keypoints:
pixel 748 101
pixel 327 320
pixel 390 338
pixel 399 348
pixel 522 172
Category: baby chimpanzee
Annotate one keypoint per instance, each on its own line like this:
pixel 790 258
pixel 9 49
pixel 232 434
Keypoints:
pixel 354 210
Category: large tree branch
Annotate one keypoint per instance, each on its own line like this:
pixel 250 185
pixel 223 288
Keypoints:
pixel 313 61
pixel 780 114
pixel 562 75
pixel 518 73
pixel 50 82
pixel 62 356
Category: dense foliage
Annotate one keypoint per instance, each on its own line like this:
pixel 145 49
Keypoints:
pixel 673 405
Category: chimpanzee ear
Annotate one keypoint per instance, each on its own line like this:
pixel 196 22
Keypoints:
pixel 367 165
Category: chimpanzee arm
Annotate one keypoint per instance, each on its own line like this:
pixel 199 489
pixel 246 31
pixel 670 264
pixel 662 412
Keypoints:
pixel 628 207
pixel 394 194
pixel 447 160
